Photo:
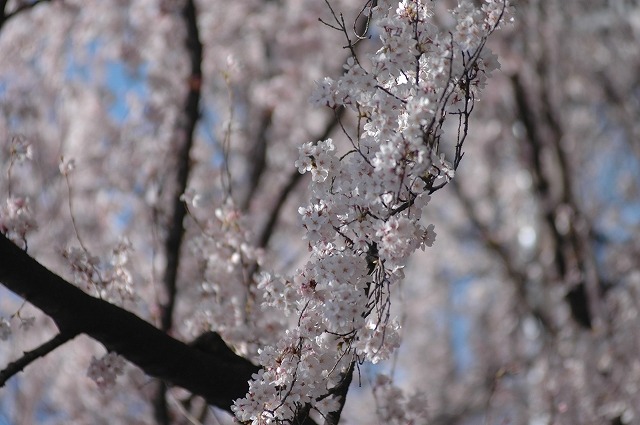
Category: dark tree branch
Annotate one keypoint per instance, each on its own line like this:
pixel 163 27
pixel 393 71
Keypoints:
pixel 28 357
pixel 175 235
pixel 258 158
pixel 219 381
pixel 340 391
pixel 302 416
pixel 3 13
pixel 572 249
pixel 4 17
pixel 535 142
pixel 587 309
pixel 185 136
pixel 517 276
pixel 294 178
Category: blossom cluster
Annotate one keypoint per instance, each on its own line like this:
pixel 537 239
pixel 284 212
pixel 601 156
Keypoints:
pixel 229 302
pixel 363 216
pixel 7 325
pixel 16 218
pixel 394 407
pixel 109 277
pixel 5 329
pixel 105 370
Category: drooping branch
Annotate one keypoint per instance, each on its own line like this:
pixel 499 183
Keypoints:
pixel 218 380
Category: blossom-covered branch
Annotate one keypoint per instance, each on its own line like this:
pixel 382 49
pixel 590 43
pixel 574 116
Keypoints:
pixel 363 216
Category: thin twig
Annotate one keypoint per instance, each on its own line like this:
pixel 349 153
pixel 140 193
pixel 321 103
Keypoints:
pixel 4 17
pixel 28 357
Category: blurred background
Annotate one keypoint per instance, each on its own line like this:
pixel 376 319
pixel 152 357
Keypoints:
pixel 525 311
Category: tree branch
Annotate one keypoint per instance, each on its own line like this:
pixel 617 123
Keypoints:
pixel 219 381
pixel 571 246
pixel 175 235
pixel 333 418
pixel 535 142
pixel 4 17
pixel 294 178
pixel 493 245
pixel 258 158
pixel 17 366
pixel 173 243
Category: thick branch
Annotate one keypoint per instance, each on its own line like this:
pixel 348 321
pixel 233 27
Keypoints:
pixel 219 381
pixel 535 142
pixel 571 246
pixel 333 418
pixel 185 135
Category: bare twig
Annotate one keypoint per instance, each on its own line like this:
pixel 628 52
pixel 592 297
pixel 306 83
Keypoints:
pixel 28 357
pixel 5 17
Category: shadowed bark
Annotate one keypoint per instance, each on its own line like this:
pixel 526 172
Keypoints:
pixel 5 15
pixel 218 380
pixel 175 232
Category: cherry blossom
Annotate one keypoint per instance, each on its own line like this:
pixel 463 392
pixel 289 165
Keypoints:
pixel 170 182
pixel 363 213
pixel 105 370
pixel 5 329
pixel 16 218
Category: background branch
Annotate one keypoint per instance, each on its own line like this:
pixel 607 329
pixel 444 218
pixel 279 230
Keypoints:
pixel 294 178
pixel 175 234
